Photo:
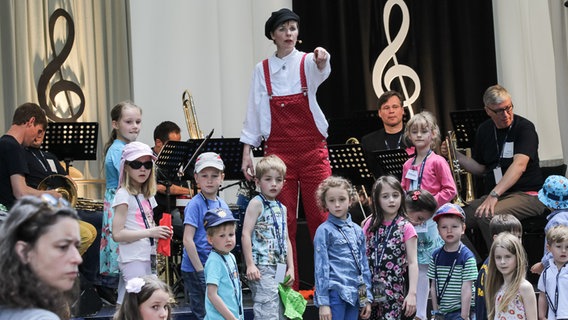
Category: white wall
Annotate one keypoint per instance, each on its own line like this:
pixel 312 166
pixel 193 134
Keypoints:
pixel 208 47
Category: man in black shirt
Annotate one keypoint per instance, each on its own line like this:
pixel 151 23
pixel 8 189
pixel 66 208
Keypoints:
pixel 391 136
pixel 163 133
pixel 28 122
pixel 506 155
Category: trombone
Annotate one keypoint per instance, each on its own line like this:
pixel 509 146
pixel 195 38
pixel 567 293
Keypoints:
pixel 457 172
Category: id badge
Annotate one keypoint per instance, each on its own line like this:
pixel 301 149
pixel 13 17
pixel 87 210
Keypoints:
pixel 508 150
pixel 412 175
pixel 497 174
pixel 280 272
pixel 362 294
pixel 154 263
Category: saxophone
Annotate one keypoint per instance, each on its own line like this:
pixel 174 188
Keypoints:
pixel 190 116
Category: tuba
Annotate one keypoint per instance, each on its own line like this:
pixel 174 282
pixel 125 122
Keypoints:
pixel 62 184
pixel 191 116
pixel 457 172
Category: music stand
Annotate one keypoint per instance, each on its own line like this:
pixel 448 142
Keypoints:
pixel 391 161
pixel 230 150
pixel 348 161
pixel 71 141
pixel 465 125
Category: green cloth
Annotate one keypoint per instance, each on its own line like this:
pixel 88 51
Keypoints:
pixel 293 301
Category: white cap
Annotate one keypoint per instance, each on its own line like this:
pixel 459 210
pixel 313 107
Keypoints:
pixel 209 159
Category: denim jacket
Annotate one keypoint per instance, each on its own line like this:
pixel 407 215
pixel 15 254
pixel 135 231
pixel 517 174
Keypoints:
pixel 335 266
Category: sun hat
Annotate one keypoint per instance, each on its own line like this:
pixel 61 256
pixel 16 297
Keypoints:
pixel 449 209
pixel 217 216
pixel 277 18
pixel 209 159
pixel 133 151
pixel 554 192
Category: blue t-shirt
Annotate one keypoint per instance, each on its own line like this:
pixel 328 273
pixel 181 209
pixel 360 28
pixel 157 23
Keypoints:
pixel 225 275
pixel 193 215
pixel 112 163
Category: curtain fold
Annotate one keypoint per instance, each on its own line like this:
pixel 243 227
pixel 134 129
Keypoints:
pixel 449 44
pixel 98 62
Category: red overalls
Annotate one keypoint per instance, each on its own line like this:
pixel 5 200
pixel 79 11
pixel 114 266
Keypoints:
pixel 295 138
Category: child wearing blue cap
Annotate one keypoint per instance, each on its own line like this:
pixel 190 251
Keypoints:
pixel 223 298
pixel 554 195
pixel 453 268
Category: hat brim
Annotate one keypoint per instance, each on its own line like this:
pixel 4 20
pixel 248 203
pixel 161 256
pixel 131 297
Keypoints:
pixel 551 203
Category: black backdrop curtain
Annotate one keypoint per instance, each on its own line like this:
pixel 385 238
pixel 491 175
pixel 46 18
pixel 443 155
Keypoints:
pixel 450 45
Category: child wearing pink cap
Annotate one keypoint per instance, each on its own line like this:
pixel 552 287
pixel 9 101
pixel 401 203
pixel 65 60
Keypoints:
pixel 133 225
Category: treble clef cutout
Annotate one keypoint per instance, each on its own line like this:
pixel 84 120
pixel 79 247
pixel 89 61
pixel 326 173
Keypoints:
pixel 396 71
pixel 65 86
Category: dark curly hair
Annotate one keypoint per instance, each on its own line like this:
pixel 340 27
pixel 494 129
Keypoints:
pixel 27 221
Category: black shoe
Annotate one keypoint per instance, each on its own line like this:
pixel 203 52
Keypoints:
pixel 108 295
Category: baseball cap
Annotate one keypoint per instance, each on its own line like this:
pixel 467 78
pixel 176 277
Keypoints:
pixel 209 159
pixel 449 209
pixel 217 216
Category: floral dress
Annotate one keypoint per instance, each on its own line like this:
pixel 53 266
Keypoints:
pixel 514 311
pixel 386 252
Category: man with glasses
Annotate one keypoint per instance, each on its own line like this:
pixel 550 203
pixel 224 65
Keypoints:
pixel 506 155
pixel 391 136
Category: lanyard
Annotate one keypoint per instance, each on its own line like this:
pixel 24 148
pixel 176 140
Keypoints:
pixel 353 252
pixel 39 160
pixel 207 202
pixel 233 275
pixel 146 223
pixel 440 294
pixel 279 236
pixel 397 144
pixel 419 183
pixel 384 242
pixel 502 148
pixel 552 306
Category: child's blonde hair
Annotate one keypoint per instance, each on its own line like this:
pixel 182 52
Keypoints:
pixel 505 223
pixel 270 162
pixel 494 280
pixel 378 214
pixel 425 120
pixel 130 308
pixel 148 188
pixel 333 182
pixel 557 234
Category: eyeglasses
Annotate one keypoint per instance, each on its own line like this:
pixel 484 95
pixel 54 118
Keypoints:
pixel 501 111
pixel 137 164
pixel 55 203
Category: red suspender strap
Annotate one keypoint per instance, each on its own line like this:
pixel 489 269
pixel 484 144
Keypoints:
pixel 303 75
pixel 267 77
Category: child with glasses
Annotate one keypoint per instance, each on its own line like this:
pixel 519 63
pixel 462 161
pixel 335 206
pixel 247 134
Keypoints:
pixel 133 224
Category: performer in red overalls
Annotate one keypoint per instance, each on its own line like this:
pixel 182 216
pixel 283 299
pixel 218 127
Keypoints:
pixel 283 110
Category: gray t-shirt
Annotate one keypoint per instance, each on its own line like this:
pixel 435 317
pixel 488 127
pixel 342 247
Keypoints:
pixel 28 314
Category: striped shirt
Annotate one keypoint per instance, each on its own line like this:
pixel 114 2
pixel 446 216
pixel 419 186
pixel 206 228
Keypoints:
pixel 465 270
